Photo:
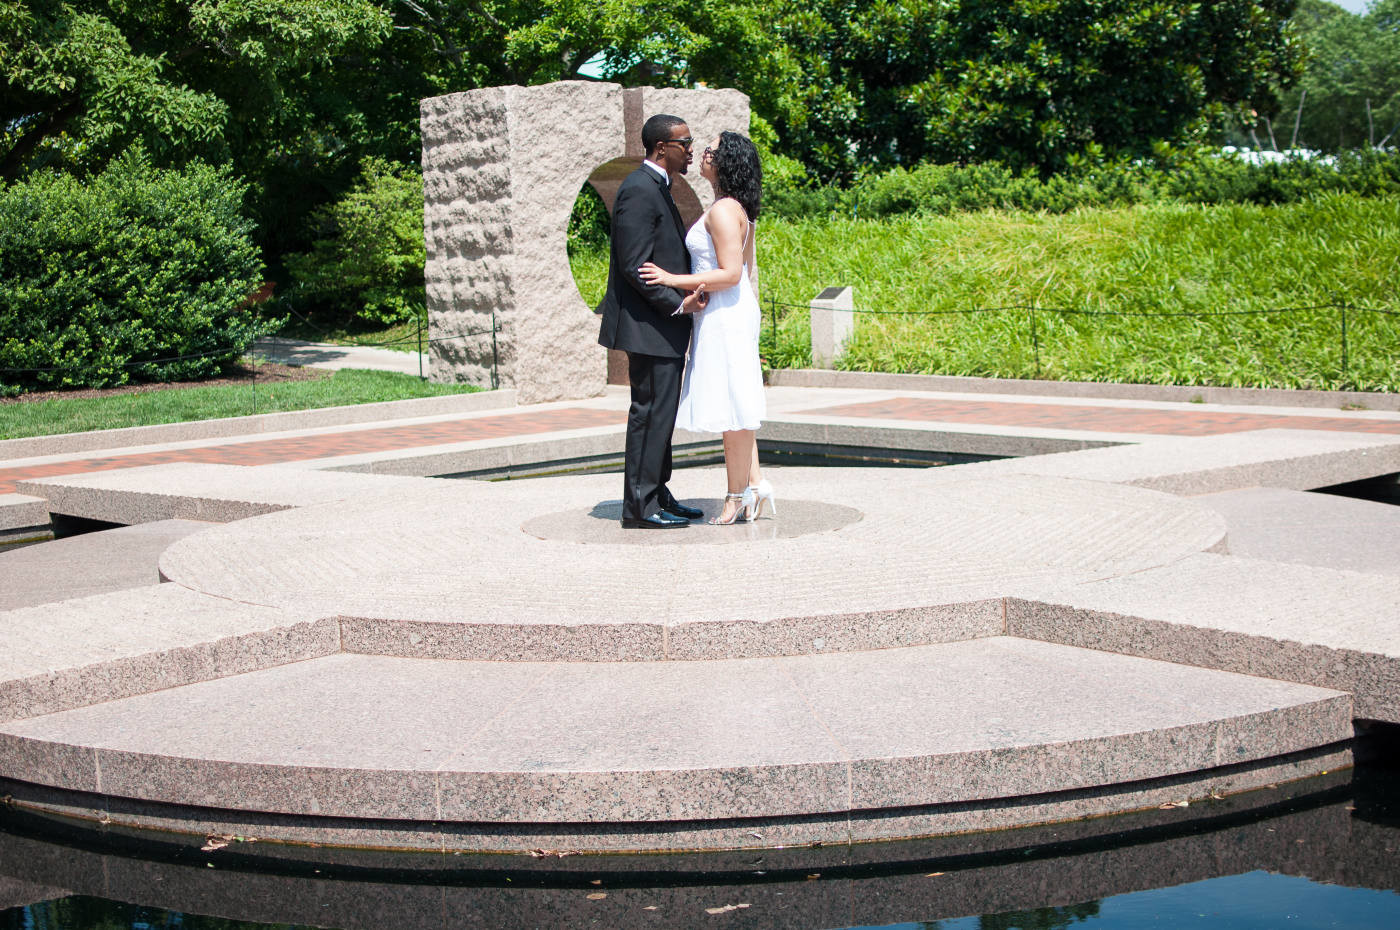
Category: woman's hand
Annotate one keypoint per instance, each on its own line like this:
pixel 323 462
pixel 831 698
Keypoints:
pixel 652 274
pixel 695 301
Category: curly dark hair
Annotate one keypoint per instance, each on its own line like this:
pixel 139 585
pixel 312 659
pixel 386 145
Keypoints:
pixel 738 171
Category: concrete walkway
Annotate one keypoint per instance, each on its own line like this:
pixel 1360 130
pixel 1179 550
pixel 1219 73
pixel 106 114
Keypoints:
pixel 325 355
pixel 896 653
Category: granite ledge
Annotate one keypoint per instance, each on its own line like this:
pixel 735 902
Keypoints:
pixel 1372 679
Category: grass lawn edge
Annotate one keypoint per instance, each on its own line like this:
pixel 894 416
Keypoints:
pixel 250 424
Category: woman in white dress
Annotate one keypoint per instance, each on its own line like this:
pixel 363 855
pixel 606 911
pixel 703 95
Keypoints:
pixel 722 391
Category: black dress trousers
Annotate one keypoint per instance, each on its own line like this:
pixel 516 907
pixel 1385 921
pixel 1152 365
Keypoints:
pixel 656 393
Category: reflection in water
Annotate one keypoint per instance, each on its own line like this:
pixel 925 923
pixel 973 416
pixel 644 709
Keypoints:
pixel 1316 853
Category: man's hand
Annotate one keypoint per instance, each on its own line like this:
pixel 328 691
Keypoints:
pixel 695 301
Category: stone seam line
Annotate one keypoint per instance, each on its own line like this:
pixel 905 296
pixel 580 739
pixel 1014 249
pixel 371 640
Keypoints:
pixel 846 757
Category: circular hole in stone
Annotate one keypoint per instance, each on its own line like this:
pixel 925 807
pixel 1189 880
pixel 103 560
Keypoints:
pixel 589 229
pixel 603 525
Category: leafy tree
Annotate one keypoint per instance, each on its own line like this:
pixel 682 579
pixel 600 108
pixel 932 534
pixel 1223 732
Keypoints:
pixel 82 79
pixel 267 86
pixel 368 258
pixel 1025 82
pixel 1349 94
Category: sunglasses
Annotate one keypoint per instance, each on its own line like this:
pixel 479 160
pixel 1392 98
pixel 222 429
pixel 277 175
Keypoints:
pixel 687 142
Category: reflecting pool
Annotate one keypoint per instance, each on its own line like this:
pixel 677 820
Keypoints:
pixel 1318 853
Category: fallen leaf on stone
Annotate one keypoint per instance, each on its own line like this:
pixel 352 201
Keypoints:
pixel 651 907
pixel 725 909
pixel 1171 804
pixel 935 874
pixel 216 841
pixel 757 836
pixel 596 881
pixel 814 876
pixel 1217 796
pixel 597 896
pixel 551 853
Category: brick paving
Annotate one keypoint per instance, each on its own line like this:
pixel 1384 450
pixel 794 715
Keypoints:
pixel 1112 419
pixel 1170 422
pixel 329 445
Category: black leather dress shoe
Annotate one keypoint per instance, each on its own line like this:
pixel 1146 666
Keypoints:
pixel 676 509
pixel 657 521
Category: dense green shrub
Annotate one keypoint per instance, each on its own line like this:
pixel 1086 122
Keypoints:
pixel 137 274
pixel 367 258
pixel 590 227
pixel 1367 172
pixel 1200 177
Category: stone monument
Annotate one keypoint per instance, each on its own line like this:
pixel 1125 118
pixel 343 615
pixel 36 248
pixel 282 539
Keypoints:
pixel 502 167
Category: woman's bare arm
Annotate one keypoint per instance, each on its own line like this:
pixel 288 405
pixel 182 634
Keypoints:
pixel 727 225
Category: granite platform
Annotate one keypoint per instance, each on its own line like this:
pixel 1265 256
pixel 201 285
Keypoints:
pixel 404 662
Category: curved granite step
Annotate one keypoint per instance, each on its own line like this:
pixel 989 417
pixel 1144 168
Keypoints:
pixel 1320 626
pixel 972 735
pixel 541 571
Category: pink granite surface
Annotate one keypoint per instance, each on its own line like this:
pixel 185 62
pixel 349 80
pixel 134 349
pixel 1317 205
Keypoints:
pixel 360 736
pixel 393 654
pixel 1336 629
pixel 468 555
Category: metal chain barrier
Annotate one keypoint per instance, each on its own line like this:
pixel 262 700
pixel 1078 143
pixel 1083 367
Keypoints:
pixel 1033 309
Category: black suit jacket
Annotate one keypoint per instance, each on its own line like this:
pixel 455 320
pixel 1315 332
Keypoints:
pixel 646 227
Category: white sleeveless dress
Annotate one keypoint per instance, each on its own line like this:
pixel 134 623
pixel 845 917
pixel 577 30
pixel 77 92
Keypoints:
pixel 723 385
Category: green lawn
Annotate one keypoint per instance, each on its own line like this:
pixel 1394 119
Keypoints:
pixel 175 405
pixel 1147 259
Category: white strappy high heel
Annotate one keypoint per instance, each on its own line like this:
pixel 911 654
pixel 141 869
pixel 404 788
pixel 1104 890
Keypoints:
pixel 762 494
pixel 745 509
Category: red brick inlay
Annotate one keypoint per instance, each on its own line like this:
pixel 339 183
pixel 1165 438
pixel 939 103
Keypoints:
pixel 1174 422
pixel 329 445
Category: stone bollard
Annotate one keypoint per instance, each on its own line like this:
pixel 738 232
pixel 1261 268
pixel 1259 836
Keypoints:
pixel 833 320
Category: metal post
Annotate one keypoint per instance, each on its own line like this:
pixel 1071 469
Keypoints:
pixel 773 320
pixel 1035 341
pixel 420 345
pixel 1344 340
pixel 495 358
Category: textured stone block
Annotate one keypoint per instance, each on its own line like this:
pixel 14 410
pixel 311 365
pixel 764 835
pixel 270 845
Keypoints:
pixel 833 321
pixel 497 199
pixel 19 511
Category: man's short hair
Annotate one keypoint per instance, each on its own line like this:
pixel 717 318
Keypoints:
pixel 657 130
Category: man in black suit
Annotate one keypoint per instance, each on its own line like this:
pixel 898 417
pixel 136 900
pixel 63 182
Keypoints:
pixel 650 323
